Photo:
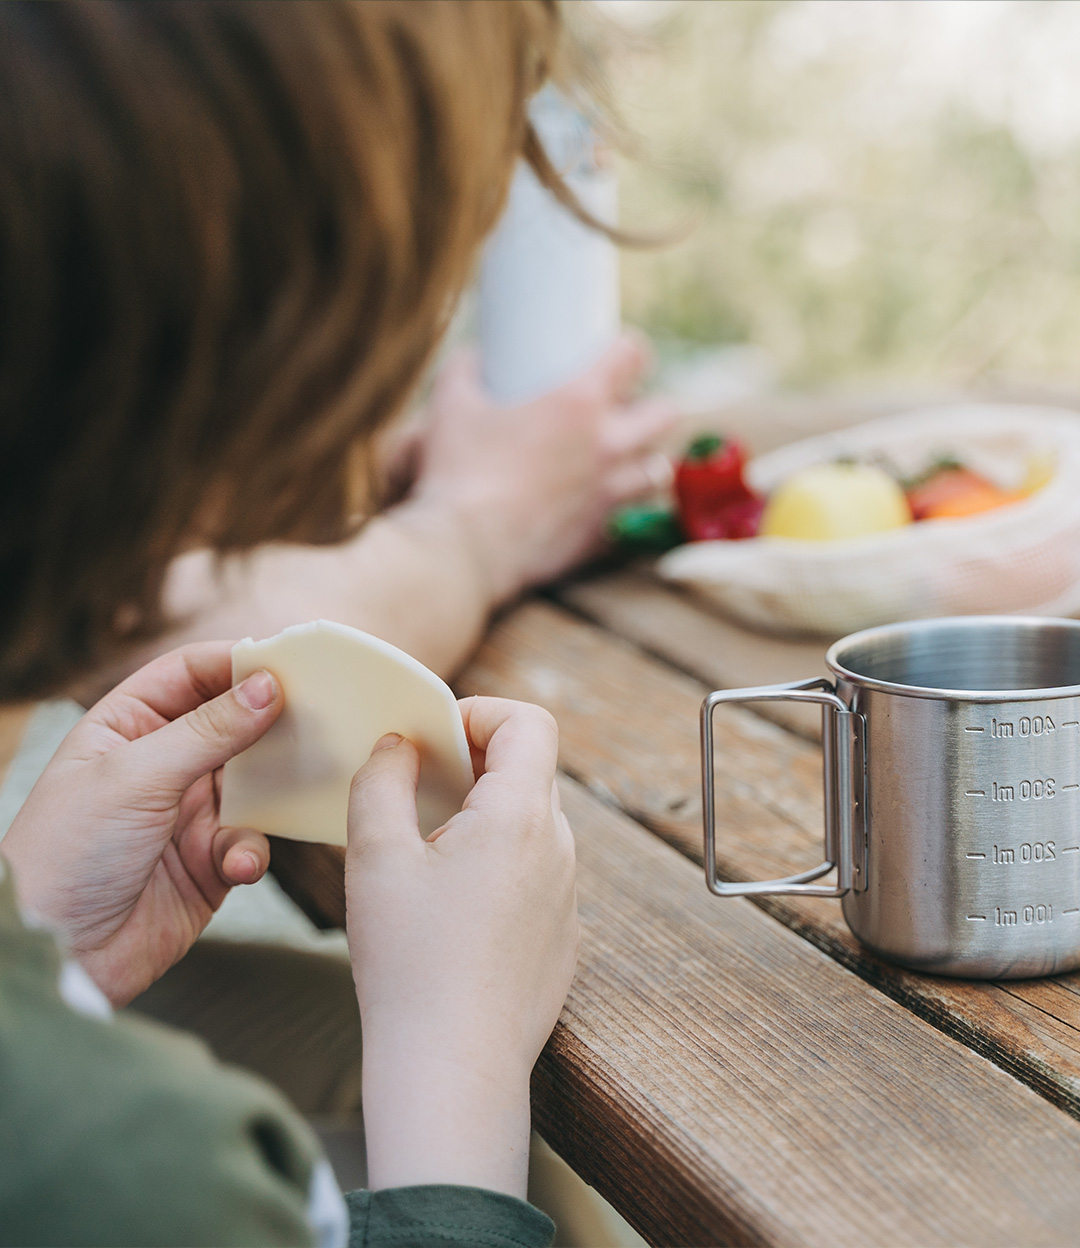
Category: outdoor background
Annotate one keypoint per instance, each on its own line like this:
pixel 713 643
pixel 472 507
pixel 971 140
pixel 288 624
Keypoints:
pixel 884 190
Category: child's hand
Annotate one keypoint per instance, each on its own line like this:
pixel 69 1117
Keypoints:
pixel 118 845
pixel 463 949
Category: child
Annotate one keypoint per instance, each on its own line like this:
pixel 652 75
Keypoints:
pixel 230 237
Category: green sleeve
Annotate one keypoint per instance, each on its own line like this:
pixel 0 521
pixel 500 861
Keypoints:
pixel 118 1132
pixel 425 1217
pixel 115 1131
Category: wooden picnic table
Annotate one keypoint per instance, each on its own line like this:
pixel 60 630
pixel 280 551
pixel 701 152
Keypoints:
pixel 743 1071
pixel 737 1071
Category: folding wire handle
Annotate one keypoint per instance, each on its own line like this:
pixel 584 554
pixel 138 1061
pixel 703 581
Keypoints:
pixel 842 732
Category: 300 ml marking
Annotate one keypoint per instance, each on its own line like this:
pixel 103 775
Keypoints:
pixel 1026 791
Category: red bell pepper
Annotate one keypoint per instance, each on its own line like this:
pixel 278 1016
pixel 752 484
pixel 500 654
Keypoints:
pixel 714 502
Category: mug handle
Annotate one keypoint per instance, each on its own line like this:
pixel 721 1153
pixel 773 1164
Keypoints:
pixel 842 734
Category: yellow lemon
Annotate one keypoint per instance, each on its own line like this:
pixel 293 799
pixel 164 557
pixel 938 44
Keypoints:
pixel 830 501
pixel 1040 471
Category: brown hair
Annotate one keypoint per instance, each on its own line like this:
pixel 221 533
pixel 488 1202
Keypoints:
pixel 230 235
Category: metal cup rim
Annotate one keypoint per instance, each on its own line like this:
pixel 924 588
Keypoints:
pixel 913 627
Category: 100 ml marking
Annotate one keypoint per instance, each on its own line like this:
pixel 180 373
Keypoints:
pixel 1029 915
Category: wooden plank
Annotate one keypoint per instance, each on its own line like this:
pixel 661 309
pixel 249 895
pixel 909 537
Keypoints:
pixel 667 622
pixel 313 876
pixel 719 1081
pixel 628 726
pixel 661 619
pixel 765 422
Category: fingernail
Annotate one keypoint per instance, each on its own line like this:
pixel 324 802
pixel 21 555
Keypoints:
pixel 251 865
pixel 388 742
pixel 258 691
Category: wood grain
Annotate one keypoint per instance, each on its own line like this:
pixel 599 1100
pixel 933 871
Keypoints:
pixel 313 876
pixel 628 727
pixel 720 1081
pixel 667 622
pixel 763 423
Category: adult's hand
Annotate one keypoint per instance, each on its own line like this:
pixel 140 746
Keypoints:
pixel 463 948
pixel 493 499
pixel 119 846
pixel 531 486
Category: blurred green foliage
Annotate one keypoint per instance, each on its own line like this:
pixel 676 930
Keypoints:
pixel 866 202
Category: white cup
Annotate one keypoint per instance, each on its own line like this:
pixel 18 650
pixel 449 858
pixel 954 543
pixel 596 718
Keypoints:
pixel 549 285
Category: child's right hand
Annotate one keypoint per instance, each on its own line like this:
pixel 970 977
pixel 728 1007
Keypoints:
pixel 463 949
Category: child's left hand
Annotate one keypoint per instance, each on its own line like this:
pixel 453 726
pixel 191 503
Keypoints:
pixel 119 846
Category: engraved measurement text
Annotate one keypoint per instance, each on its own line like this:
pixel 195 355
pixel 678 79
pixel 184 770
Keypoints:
pixel 1030 851
pixel 1025 726
pixel 1028 916
pixel 1025 791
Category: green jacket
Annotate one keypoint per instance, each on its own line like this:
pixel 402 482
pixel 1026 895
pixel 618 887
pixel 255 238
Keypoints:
pixel 116 1131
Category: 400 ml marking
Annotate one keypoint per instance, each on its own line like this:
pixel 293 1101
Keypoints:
pixel 1025 726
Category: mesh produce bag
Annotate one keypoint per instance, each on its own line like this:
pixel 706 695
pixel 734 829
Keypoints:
pixel 1021 558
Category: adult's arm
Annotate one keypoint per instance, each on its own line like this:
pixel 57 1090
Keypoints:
pixel 504 498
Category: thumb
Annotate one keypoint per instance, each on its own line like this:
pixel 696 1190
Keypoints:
pixel 382 800
pixel 173 757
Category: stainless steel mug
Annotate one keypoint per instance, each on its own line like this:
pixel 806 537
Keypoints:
pixel 952 792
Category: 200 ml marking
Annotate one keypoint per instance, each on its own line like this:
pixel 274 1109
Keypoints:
pixel 1030 851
